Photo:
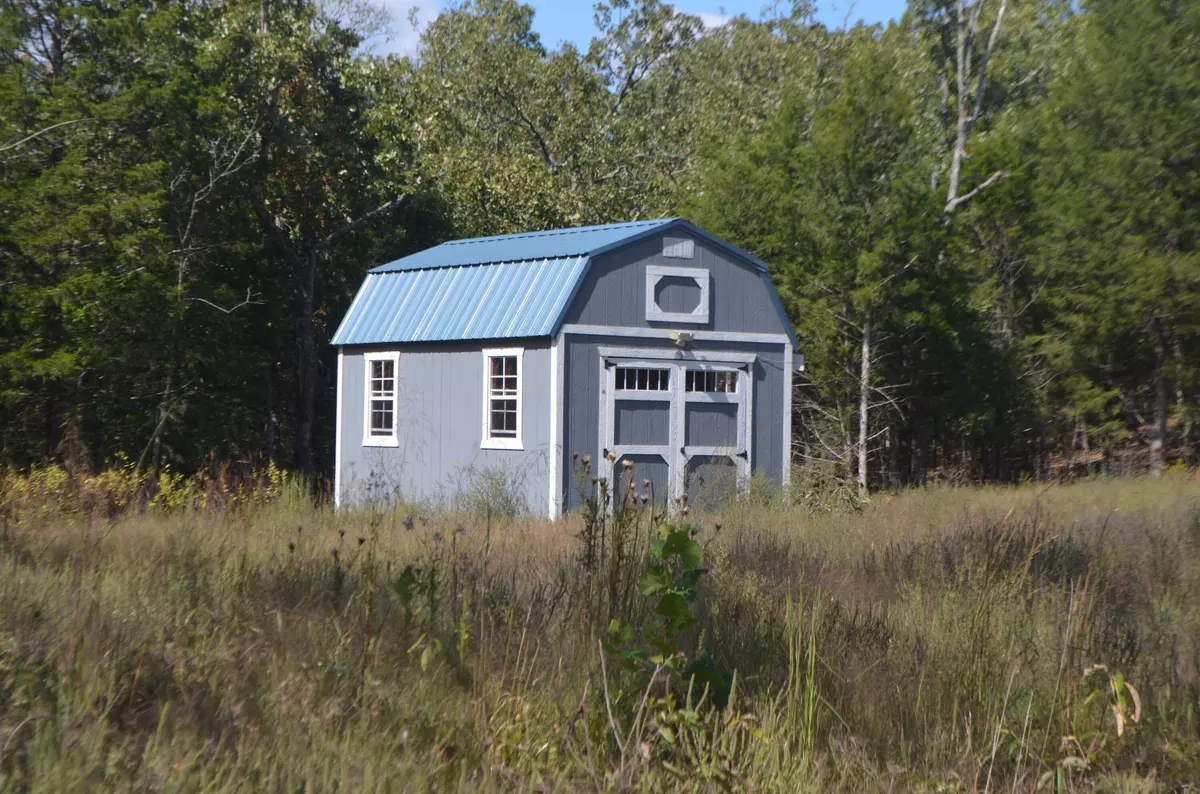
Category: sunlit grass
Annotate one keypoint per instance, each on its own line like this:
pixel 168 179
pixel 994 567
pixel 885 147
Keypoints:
pixel 936 640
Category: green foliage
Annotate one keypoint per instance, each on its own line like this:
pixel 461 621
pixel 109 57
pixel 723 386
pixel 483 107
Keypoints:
pixel 670 583
pixel 179 186
pixel 1117 205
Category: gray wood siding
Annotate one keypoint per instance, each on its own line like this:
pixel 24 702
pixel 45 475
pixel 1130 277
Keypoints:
pixel 645 467
pixel 677 294
pixel 581 376
pixel 614 291
pixel 642 422
pixel 440 420
pixel 711 425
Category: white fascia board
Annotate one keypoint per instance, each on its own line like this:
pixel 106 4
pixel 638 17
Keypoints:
pixel 666 333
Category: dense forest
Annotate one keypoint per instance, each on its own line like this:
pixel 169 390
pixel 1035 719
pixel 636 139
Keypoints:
pixel 982 219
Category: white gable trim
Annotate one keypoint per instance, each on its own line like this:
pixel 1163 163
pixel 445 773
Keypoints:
pixel 656 273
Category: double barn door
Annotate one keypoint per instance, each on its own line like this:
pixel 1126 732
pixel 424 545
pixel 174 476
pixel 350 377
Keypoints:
pixel 682 420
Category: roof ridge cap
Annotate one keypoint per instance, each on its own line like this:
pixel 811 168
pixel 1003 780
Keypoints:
pixel 563 231
pixel 493 263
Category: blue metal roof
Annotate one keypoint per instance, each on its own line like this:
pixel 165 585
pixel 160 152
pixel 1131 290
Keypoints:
pixel 504 300
pixel 553 244
pixel 507 287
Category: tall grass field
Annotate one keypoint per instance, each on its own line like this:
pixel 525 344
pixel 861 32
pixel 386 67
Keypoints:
pixel 233 637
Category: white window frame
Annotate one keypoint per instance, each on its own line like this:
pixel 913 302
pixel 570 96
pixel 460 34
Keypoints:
pixel 392 440
pixel 656 273
pixel 502 442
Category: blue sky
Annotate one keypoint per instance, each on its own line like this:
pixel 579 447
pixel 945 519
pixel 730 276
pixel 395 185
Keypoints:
pixel 571 20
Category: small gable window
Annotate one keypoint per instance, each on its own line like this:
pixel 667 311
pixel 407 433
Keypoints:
pixel 381 404
pixel 679 248
pixel 502 399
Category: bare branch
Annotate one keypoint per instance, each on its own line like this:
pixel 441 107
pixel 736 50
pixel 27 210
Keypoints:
pixel 383 209
pixel 249 301
pixel 954 203
pixel 527 123
pixel 983 65
pixel 967 30
pixel 43 131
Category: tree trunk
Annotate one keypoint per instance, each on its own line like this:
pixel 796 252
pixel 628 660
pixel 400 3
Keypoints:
pixel 1162 400
pixel 1186 452
pixel 272 424
pixel 864 406
pixel 307 366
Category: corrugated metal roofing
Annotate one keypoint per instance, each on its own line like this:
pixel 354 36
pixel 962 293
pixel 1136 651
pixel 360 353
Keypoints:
pixel 516 285
pixel 503 300
pixel 554 244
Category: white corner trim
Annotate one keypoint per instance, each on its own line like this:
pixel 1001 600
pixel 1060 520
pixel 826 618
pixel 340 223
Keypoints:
pixel 556 436
pixel 381 441
pixel 486 441
pixel 338 434
pixel 786 476
pixel 703 279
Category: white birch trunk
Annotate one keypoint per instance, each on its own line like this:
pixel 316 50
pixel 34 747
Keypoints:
pixel 864 406
pixel 1161 401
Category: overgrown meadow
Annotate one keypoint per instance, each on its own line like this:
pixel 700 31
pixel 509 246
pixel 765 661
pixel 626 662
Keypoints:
pixel 227 635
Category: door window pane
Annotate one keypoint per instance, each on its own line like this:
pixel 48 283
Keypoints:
pixel 642 379
pixel 710 381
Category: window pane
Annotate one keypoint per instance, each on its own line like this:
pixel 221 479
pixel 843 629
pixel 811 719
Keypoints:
pixel 642 379
pixel 711 382
pixel 383 377
pixel 381 417
pixel 504 418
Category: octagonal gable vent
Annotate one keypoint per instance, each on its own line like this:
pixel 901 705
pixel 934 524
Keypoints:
pixel 677 294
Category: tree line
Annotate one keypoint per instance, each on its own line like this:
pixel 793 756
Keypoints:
pixel 982 218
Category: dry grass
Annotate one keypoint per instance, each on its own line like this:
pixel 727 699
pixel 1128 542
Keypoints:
pixel 937 640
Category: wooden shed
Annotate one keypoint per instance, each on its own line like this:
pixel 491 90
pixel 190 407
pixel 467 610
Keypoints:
pixel 506 357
